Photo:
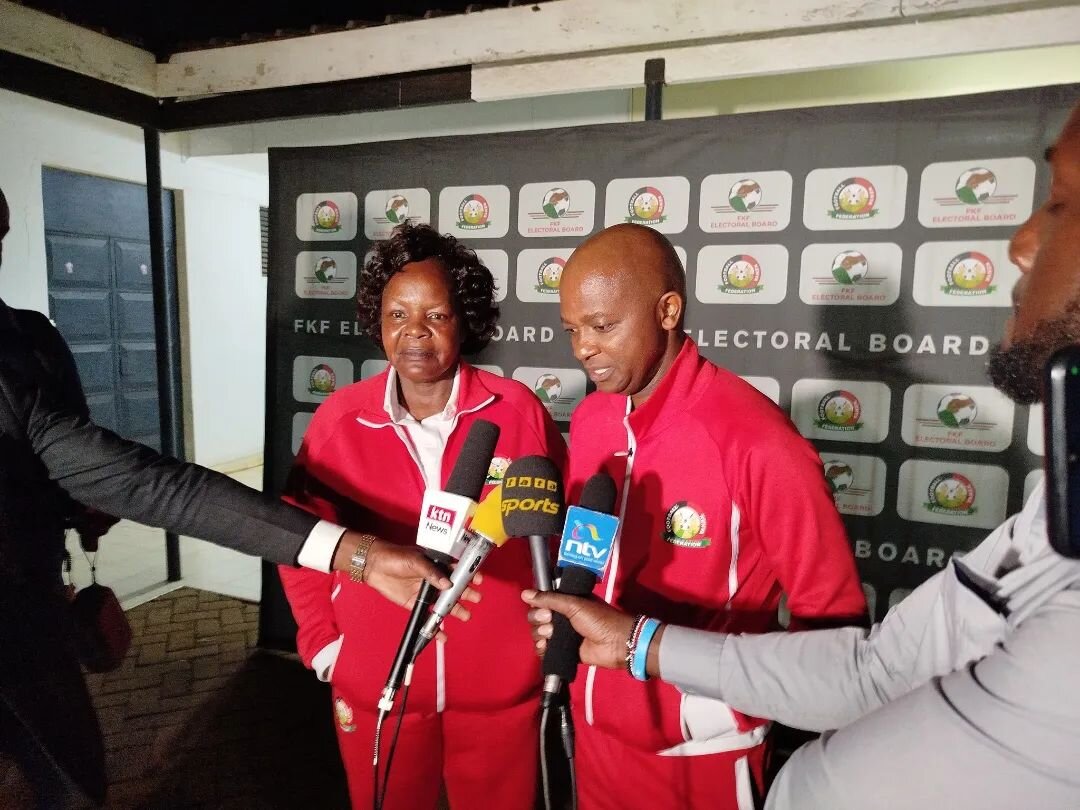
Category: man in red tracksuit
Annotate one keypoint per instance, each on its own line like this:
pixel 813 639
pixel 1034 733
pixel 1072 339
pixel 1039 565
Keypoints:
pixel 370 452
pixel 723 506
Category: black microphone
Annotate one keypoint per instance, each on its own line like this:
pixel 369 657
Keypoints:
pixel 440 532
pixel 537 524
pixel 587 539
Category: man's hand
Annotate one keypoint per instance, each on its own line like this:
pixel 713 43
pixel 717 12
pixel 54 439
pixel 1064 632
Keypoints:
pixel 603 628
pixel 92 524
pixel 397 571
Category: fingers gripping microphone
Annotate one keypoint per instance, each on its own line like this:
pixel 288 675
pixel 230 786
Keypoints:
pixel 533 507
pixel 486 534
pixel 584 551
pixel 440 534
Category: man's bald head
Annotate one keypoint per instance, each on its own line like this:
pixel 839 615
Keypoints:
pixel 621 298
pixel 641 258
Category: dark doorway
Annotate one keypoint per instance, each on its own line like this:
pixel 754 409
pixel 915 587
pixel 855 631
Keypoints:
pixel 101 293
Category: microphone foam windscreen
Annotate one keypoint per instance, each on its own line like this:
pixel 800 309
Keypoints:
pixel 470 471
pixel 532 497
pixel 599 494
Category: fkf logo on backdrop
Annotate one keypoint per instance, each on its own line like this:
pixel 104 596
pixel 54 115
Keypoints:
pixel 646 206
pixel 385 209
pixel 857 483
pixel 325 275
pixel 397 210
pixel 474 213
pixel 549 275
pixel 322 381
pixel 969 273
pixel 854 198
pixel 976 186
pixel 562 208
pixel 741 275
pixel 839 410
pixel 853 274
pixel 316 378
pixel 952 493
pixel 662 203
pixel 759 201
pixel 976 418
pixel 560 390
pixel 977 193
pixel 326 216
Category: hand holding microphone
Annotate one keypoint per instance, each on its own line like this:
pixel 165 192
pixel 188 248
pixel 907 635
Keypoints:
pixel 439 535
pixel 530 498
pixel 584 551
pixel 603 629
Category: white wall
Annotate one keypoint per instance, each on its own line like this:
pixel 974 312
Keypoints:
pixel 223 293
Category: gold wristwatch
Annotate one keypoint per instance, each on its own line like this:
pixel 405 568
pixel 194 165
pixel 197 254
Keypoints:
pixel 358 561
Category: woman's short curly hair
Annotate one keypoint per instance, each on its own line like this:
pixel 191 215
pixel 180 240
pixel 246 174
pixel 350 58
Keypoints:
pixel 473 284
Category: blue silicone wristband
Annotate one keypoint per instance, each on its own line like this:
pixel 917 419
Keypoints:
pixel 641 649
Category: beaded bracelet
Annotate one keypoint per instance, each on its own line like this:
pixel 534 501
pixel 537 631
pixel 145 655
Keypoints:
pixel 631 643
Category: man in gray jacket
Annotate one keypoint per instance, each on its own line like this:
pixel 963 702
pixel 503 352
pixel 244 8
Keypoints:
pixel 965 696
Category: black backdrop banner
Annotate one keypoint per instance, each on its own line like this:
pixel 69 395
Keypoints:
pixel 850 262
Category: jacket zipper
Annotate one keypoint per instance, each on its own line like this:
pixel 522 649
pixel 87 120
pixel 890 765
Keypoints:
pixel 609 590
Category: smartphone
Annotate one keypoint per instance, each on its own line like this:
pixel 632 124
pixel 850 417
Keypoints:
pixel 1062 414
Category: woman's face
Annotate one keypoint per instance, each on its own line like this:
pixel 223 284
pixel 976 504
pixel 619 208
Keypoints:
pixel 421 330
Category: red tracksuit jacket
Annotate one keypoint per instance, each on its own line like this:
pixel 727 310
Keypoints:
pixel 357 468
pixel 723 505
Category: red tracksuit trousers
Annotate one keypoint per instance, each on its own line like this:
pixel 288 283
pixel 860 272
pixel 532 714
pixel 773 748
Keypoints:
pixel 487 760
pixel 614 776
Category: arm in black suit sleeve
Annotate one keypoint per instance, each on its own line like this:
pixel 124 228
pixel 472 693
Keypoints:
pixel 129 480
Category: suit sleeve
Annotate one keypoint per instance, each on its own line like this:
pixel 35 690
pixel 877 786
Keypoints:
pixel 1001 733
pixel 309 592
pixel 100 469
pixel 794 515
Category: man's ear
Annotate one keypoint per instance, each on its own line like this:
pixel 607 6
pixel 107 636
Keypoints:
pixel 669 309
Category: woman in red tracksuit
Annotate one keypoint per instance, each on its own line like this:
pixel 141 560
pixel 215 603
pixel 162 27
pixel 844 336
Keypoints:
pixel 368 455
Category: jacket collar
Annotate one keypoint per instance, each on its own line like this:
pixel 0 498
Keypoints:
pixel 472 395
pixel 677 390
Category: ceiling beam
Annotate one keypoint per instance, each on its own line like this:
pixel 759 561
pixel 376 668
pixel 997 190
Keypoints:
pixel 44 38
pixel 560 29
pixel 819 50
pixel 30 77
pixel 333 98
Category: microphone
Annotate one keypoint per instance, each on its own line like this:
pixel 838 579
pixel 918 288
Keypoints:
pixel 486 533
pixel 440 534
pixel 521 482
pixel 584 551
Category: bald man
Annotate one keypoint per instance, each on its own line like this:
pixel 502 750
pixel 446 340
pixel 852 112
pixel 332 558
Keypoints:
pixel 723 506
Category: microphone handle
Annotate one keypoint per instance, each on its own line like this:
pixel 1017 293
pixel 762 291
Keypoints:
pixel 475 553
pixel 424 600
pixel 562 656
pixel 541 562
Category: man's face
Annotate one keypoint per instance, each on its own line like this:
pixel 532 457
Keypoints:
pixel 615 332
pixel 1046 299
pixel 5 223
